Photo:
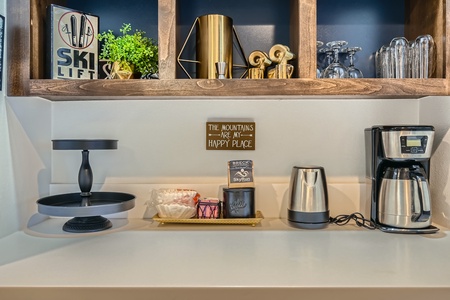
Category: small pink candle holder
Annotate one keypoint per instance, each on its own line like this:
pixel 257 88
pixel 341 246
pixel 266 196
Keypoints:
pixel 208 208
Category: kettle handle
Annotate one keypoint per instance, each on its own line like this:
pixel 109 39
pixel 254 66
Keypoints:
pixel 424 199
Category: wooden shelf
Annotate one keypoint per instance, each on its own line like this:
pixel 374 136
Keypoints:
pixel 214 88
pixel 25 25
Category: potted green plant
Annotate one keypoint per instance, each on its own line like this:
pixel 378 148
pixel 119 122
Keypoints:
pixel 128 53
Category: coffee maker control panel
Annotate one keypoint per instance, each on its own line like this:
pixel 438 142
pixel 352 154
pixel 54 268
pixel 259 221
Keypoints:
pixel 407 144
pixel 413 144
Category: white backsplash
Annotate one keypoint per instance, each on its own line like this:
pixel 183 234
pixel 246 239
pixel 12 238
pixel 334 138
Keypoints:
pixel 439 181
pixel 436 111
pixel 162 142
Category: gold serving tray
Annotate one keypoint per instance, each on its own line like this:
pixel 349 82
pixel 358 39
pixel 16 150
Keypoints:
pixel 230 221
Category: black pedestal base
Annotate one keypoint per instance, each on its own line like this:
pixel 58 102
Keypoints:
pixel 87 224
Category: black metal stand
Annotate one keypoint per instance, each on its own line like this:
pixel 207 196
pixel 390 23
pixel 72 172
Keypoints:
pixel 85 181
pixel 87 224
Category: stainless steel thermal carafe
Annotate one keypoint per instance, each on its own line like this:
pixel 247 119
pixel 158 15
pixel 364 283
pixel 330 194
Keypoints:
pixel 308 198
pixel 404 199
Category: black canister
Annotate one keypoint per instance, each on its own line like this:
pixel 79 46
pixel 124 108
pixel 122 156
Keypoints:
pixel 239 203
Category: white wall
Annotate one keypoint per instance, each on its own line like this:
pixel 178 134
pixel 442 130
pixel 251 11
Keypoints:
pixel 167 138
pixel 436 111
pixel 9 220
pixel 29 121
pixel 163 141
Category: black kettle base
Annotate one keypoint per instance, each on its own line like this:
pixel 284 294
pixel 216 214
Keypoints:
pixel 308 220
pixel 302 225
pixel 426 230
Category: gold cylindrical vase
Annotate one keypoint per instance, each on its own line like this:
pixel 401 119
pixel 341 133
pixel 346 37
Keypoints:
pixel 214 44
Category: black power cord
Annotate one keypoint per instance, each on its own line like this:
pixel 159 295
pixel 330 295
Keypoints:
pixel 359 219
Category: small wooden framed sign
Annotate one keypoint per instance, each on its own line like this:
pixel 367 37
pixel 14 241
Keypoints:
pixel 230 135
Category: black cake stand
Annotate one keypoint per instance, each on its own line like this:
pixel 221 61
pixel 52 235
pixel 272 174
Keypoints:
pixel 86 207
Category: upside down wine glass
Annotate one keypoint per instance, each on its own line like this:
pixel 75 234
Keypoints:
pixel 327 60
pixel 336 69
pixel 353 72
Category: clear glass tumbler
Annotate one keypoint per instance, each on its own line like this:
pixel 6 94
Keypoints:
pixel 399 55
pixel 423 57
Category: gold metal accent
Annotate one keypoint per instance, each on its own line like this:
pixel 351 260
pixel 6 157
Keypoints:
pixel 255 73
pixel 260 60
pixel 214 37
pixel 121 71
pixel 283 71
pixel 281 54
pixel 229 221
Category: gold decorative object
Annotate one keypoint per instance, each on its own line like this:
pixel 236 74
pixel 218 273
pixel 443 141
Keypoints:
pixel 230 221
pixel 121 71
pixel 214 37
pixel 255 73
pixel 281 54
pixel 260 61
pixel 283 71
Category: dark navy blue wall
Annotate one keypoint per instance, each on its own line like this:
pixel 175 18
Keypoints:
pixel 263 23
pixel 365 23
pixel 142 14
pixel 259 24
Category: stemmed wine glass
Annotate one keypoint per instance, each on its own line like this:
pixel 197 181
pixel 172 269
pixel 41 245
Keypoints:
pixel 353 72
pixel 336 69
pixel 327 60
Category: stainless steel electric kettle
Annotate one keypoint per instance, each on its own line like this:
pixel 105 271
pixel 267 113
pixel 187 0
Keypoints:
pixel 404 198
pixel 308 198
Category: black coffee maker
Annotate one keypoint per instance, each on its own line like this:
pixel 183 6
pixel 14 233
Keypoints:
pixel 397 172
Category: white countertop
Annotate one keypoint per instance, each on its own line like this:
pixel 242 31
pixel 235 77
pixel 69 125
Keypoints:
pixel 139 258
